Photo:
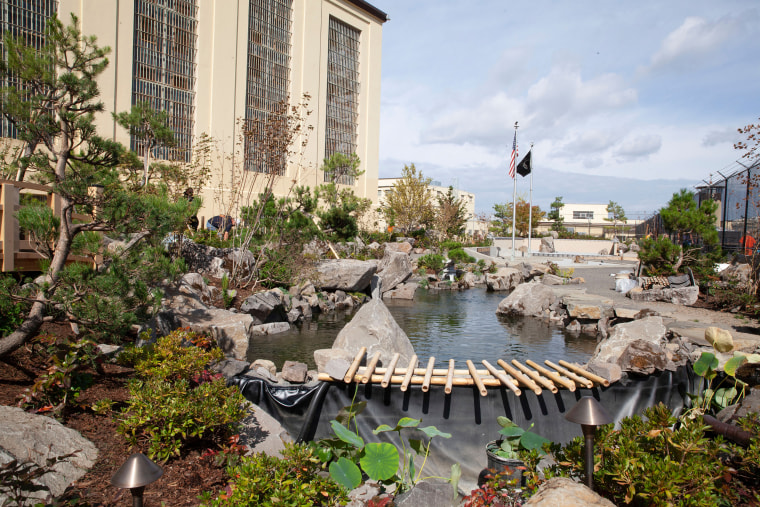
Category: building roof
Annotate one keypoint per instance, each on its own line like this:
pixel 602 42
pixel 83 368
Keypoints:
pixel 371 9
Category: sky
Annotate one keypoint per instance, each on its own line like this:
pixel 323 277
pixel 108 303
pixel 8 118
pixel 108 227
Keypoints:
pixel 623 101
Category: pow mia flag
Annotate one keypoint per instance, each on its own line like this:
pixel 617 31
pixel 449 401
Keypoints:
pixel 525 166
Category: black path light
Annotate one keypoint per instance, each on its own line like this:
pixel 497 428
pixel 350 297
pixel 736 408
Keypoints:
pixel 136 473
pixel 589 414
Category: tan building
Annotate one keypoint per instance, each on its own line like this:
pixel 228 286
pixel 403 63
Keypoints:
pixel 590 220
pixel 214 65
pixel 473 226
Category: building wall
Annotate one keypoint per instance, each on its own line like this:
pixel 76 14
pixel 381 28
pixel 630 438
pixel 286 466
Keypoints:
pixel 220 101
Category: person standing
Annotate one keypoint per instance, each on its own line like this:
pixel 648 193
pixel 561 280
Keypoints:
pixel 192 222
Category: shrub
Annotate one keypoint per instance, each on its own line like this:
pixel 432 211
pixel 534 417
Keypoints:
pixel 450 244
pixel 175 357
pixel 653 461
pixel 459 255
pixel 431 261
pixel 292 480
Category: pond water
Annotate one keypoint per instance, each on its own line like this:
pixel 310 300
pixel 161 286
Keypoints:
pixel 456 325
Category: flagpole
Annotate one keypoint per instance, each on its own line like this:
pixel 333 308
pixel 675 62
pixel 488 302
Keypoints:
pixel 514 192
pixel 530 203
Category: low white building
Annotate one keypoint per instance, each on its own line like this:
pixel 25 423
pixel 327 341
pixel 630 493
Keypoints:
pixel 590 220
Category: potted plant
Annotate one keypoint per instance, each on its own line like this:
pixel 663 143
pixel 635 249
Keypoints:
pixel 505 454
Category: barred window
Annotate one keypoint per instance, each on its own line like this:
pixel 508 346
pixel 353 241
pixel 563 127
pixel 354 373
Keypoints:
pixel 28 21
pixel 342 92
pixel 583 215
pixel 164 69
pixel 267 84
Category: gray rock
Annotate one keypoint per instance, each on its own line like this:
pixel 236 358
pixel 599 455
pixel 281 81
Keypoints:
pixel 550 279
pixel 643 357
pixel 266 364
pixel 266 306
pixel 527 299
pixel 295 372
pixel 230 367
pixel 241 262
pixel 505 279
pixel 35 438
pixel 268 329
pixel 427 493
pixel 547 245
pixel 679 296
pixel 229 329
pixel 324 358
pixel 750 404
pixel 261 432
pixel 403 291
pixel 402 247
pixel 736 273
pixel 610 371
pixel 346 274
pixel 373 327
pixel 394 269
pixel 468 280
pixel 564 492
pixel 637 346
pixel 582 306
pixel 358 497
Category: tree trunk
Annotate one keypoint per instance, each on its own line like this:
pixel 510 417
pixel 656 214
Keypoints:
pixel 23 162
pixel 678 263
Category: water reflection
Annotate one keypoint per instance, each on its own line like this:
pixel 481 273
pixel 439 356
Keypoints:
pixel 446 324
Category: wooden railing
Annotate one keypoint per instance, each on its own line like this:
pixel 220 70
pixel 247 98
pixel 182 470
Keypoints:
pixel 16 252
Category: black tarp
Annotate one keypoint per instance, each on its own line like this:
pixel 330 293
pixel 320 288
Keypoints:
pixel 305 411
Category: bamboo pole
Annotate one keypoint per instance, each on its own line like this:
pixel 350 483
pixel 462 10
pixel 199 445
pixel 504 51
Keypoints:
pixel 421 371
pixel 529 383
pixel 588 375
pixel 535 376
pixel 501 376
pixel 449 377
pixel 552 375
pixel 581 381
pixel 409 372
pixel 371 367
pixel 354 365
pixel 428 374
pixel 476 378
pixel 390 369
pixel 419 379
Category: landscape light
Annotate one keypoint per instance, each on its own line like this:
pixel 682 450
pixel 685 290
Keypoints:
pixel 136 473
pixel 589 414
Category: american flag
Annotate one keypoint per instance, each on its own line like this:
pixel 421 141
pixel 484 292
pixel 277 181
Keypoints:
pixel 514 157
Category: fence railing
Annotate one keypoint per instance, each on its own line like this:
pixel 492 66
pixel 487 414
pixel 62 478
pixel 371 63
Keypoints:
pixel 18 253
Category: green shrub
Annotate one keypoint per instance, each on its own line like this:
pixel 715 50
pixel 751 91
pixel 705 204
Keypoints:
pixel 431 261
pixel 267 480
pixel 450 244
pixel 659 256
pixel 460 256
pixel 653 461
pixel 175 357
pixel 169 415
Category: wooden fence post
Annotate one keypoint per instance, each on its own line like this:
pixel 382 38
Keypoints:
pixel 9 230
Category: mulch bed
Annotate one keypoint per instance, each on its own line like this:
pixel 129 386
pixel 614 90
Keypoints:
pixel 184 478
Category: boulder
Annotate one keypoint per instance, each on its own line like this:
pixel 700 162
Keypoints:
pixel 740 273
pixel 269 328
pixel 266 306
pixel 547 245
pixel 402 247
pixel 35 438
pixel 195 286
pixel 582 306
pixel 564 492
pixel 611 371
pixel 241 262
pixel 550 279
pixel 505 279
pixel 373 327
pixel 199 258
pixel 230 367
pixel 637 346
pixel 229 329
pixel 469 280
pixel 427 493
pixel 403 291
pixel 394 268
pixel 678 296
pixel 266 364
pixel 527 299
pixel 332 360
pixel 294 372
pixel 720 339
pixel 350 275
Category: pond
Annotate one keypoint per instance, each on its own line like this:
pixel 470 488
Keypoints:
pixel 456 325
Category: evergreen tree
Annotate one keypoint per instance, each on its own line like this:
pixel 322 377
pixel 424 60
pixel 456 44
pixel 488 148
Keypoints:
pixel 555 215
pixel 616 214
pixel 76 161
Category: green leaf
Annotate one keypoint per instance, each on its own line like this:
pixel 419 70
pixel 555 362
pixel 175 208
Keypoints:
pixel 380 460
pixel 733 364
pixel 706 362
pixel 456 474
pixel 407 422
pixel 724 396
pixel 504 421
pixel 532 440
pixel 382 428
pixel 346 413
pixel 347 435
pixel 432 431
pixel 416 445
pixel 345 473
pixel 512 431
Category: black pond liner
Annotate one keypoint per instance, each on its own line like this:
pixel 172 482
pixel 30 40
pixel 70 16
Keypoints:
pixel 305 411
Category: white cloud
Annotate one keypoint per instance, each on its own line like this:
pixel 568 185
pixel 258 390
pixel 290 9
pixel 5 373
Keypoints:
pixel 696 39
pixel 721 137
pixel 639 147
